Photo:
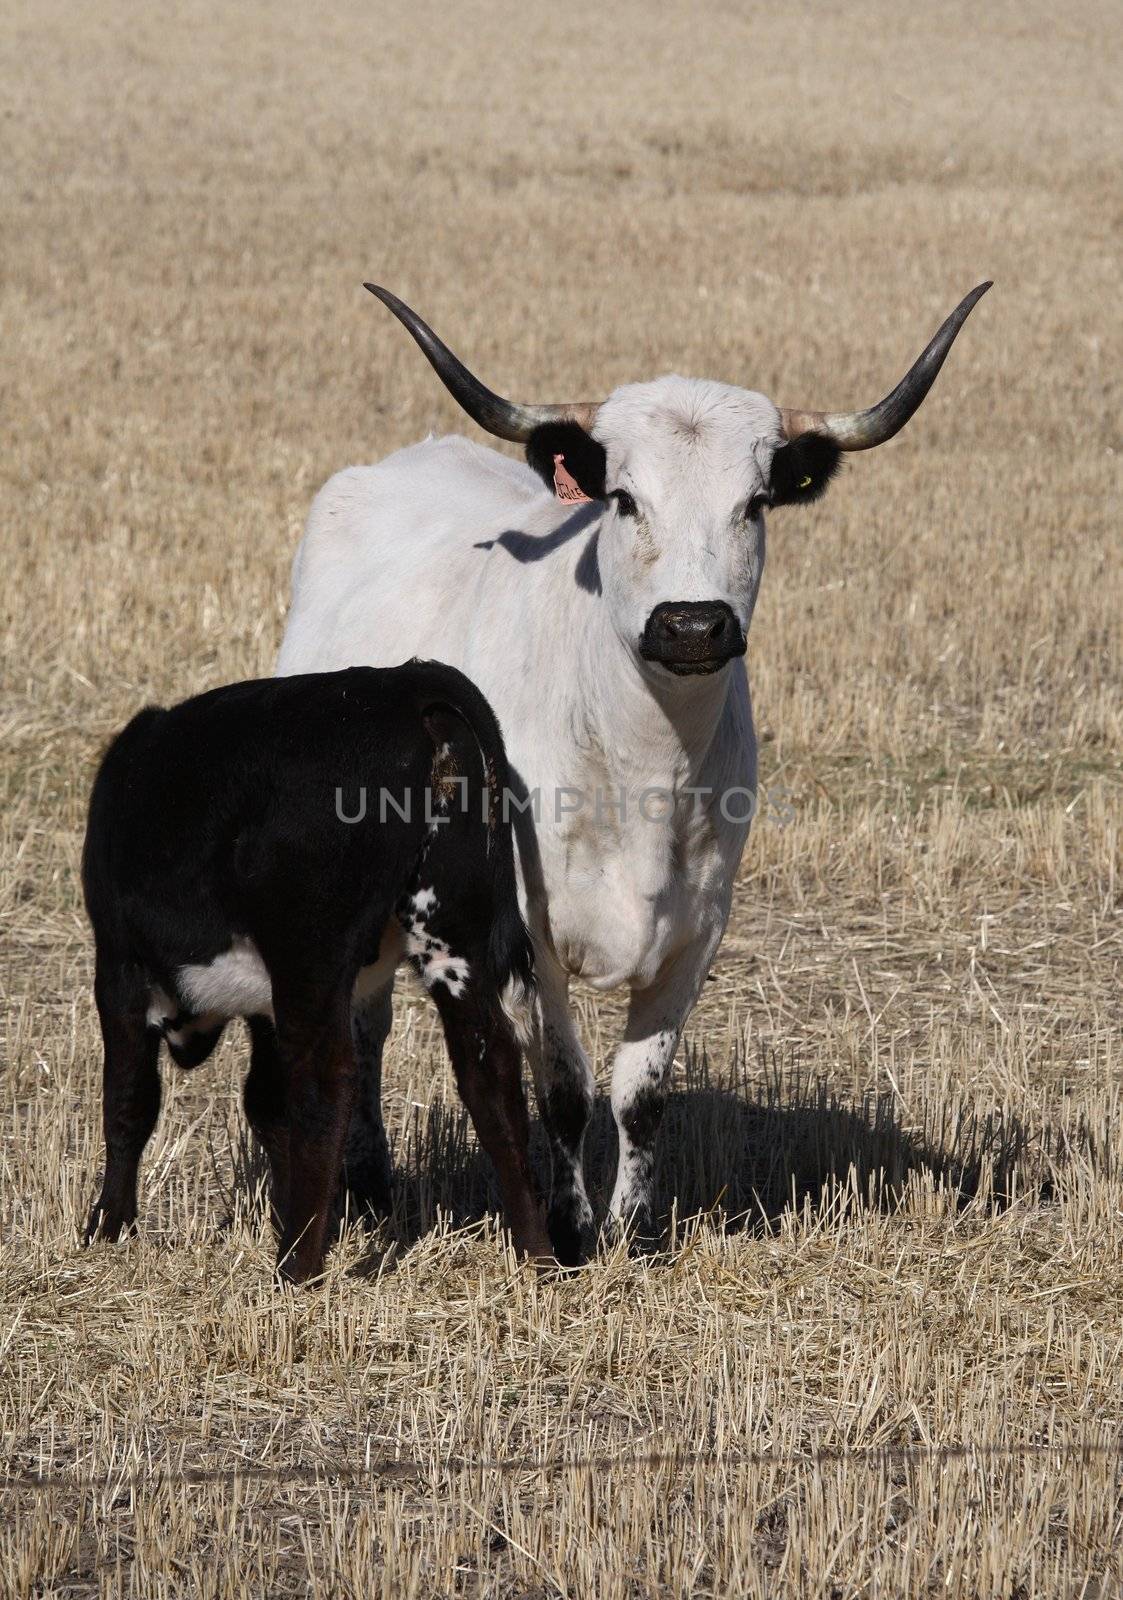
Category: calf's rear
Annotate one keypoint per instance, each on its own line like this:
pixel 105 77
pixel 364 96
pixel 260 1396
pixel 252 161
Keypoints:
pixel 255 852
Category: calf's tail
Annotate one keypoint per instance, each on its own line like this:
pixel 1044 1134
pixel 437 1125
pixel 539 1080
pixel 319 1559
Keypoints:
pixel 463 726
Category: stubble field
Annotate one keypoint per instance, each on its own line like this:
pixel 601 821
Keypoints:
pixel 883 1350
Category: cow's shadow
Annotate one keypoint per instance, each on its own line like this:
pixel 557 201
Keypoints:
pixel 741 1153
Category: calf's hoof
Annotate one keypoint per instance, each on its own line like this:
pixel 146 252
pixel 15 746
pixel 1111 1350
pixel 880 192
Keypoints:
pixel 369 1203
pixel 109 1223
pixel 299 1259
pixel 570 1236
pixel 533 1246
pixel 294 1272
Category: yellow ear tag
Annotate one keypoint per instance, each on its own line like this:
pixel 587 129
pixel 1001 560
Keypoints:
pixel 805 483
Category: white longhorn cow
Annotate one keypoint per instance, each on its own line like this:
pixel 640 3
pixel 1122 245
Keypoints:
pixel 609 638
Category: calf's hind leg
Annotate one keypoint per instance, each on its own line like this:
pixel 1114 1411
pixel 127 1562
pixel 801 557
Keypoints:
pixel 131 1096
pixel 265 1097
pixel 488 1067
pixel 314 1039
pixel 367 1171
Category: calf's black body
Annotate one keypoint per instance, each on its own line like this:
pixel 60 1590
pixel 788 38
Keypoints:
pixel 247 854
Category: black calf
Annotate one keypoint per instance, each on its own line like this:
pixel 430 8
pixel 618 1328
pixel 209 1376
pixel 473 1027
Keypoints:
pixel 222 880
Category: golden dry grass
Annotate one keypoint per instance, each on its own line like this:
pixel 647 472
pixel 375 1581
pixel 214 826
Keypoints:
pixel 903 1373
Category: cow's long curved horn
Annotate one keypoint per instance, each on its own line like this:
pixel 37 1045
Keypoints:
pixel 504 418
pixel 861 430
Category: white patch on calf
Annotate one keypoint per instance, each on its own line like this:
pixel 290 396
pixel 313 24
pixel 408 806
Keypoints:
pixel 235 984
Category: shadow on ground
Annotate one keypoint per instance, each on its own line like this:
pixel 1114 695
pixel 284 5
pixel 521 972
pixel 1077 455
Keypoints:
pixel 742 1150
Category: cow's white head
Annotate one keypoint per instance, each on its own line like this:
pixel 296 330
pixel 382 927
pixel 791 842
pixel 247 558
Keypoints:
pixel 686 469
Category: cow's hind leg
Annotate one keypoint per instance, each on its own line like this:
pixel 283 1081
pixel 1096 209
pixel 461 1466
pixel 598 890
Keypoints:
pixel 565 1088
pixel 265 1097
pixel 131 1095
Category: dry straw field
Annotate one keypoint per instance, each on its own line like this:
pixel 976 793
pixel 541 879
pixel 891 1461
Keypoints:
pixel 882 1352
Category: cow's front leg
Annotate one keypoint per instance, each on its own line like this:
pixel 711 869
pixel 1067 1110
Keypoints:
pixel 641 1071
pixel 564 1086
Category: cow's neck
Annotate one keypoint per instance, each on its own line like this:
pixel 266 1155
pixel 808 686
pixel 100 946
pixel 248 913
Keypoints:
pixel 649 728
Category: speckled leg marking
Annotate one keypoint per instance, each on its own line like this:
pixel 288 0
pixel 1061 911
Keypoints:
pixel 432 957
pixel 565 1088
pixel 641 1071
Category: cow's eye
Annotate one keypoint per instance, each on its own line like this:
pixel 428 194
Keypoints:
pixel 624 502
pixel 756 505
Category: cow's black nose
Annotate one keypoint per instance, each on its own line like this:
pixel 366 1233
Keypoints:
pixel 692 635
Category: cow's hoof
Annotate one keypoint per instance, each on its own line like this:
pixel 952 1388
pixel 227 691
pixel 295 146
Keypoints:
pixel 638 1232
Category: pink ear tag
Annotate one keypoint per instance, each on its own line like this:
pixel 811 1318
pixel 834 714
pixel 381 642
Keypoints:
pixel 566 486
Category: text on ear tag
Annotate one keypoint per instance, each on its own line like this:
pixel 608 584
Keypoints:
pixel 566 486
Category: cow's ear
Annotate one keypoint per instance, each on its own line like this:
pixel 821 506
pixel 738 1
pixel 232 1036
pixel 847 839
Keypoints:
pixel 802 469
pixel 583 457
